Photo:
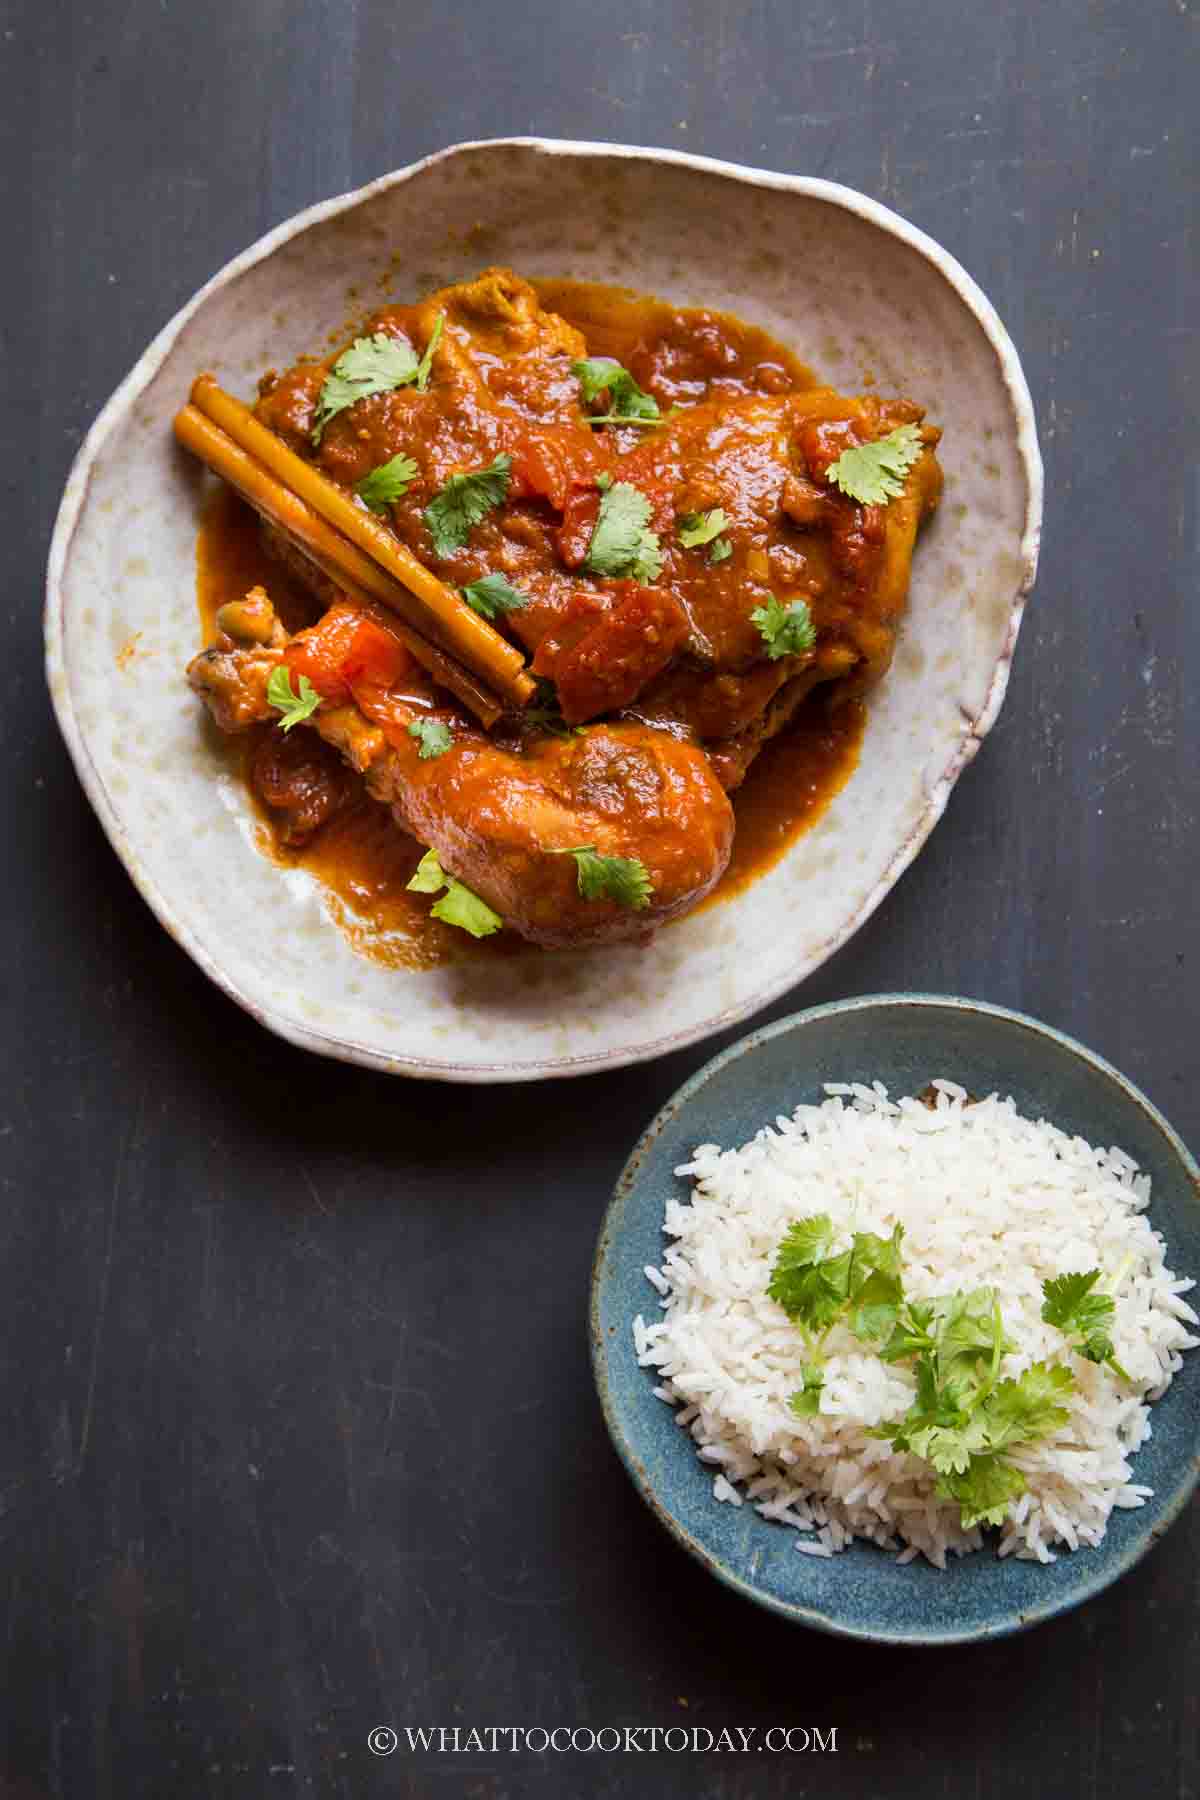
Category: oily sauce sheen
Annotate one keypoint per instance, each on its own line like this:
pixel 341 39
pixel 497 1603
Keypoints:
pixel 360 857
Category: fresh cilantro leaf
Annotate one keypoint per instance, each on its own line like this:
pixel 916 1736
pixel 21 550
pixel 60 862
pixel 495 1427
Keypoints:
pixel 805 1241
pixel 814 1288
pixel 434 737
pixel 594 373
pixel 387 483
pixel 877 1306
pixel 1082 1316
pixel 1029 1406
pixel 882 1254
pixel 463 502
pixel 604 374
pixel 969 1334
pixel 628 405
pixel 622 542
pixel 874 473
pixel 372 365
pixel 428 878
pixel 458 905
pixel 922 1412
pixel 959 1338
pixel 1069 1303
pixel 948 1441
pixel 624 879
pixel 786 630
pixel 816 1295
pixel 809 1284
pixel 426 363
pixel 699 528
pixel 913 1335
pixel 807 1399
pixel 381 358
pixel 940 1426
pixel 492 595
pixel 839 1273
pixel 985 1490
pixel 961 1419
pixel 294 707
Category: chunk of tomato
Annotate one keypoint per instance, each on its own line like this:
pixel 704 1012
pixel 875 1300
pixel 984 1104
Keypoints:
pixel 555 460
pixel 610 664
pixel 344 647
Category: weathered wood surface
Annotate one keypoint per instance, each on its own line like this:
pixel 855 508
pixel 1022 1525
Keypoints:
pixel 298 1432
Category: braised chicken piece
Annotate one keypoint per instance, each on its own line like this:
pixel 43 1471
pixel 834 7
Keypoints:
pixel 645 568
pixel 502 817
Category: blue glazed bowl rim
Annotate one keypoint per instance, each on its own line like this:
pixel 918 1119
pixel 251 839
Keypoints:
pixel 1109 1569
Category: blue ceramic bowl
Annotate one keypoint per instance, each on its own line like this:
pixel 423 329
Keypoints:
pixel 904 1041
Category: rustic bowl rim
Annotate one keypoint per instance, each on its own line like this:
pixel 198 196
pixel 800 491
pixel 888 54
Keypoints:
pixel 151 360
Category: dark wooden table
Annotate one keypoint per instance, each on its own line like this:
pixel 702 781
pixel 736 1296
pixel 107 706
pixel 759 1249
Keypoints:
pixel 298 1432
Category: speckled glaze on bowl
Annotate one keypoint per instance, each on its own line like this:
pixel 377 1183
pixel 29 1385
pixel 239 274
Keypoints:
pixel 905 1041
pixel 853 289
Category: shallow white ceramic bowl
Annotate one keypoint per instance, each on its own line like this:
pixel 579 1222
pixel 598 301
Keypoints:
pixel 850 287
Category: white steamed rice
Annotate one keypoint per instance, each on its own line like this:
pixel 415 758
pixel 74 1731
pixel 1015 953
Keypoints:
pixel 986 1198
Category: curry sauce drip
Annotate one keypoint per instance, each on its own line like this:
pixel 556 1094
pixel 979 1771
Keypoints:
pixel 360 857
